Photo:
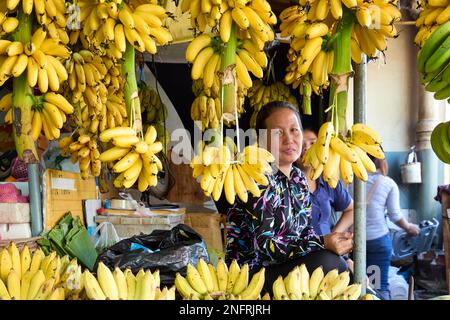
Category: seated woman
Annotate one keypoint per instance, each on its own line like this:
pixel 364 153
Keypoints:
pixel 275 230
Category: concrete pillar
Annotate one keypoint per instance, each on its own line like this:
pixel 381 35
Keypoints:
pixel 432 173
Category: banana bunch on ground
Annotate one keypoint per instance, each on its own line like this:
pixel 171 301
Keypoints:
pixel 433 62
pixel 331 155
pixel 116 22
pixel 135 157
pixel 205 282
pixel 123 285
pixel 49 113
pixel 7 24
pixel 434 13
pixel 440 141
pixel 151 103
pixel 221 173
pixel 260 94
pixel 252 18
pixel 46 10
pixel 41 58
pixel 84 151
pixel 34 276
pixel 299 284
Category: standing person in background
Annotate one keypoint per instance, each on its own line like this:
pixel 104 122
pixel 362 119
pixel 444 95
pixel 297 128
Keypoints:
pixel 382 194
pixel 324 198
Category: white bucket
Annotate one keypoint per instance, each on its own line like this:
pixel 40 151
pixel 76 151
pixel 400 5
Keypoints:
pixel 411 172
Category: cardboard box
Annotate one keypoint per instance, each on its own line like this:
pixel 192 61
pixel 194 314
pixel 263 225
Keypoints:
pixel 208 226
pixel 63 192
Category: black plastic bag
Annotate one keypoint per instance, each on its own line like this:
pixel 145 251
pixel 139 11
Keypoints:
pixel 177 247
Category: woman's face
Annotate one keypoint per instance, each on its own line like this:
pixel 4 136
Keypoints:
pixel 284 136
pixel 309 138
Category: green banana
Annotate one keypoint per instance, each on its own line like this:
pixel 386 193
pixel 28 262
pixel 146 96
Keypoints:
pixel 436 84
pixel 439 138
pixel 446 74
pixel 439 58
pixel 432 44
pixel 443 93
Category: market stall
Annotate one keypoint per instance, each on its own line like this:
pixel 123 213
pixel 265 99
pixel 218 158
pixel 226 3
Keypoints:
pixel 119 201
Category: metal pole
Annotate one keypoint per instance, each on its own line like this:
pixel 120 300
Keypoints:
pixel 359 115
pixel 35 199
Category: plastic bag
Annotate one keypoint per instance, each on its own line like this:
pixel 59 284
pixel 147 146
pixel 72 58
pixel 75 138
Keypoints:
pixel 141 209
pixel 177 247
pixel 104 236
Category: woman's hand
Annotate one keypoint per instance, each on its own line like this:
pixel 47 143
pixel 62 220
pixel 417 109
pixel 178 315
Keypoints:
pixel 412 229
pixel 339 242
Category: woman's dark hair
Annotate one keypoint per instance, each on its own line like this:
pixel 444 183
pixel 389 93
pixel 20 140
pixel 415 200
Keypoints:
pixel 270 108
pixel 380 164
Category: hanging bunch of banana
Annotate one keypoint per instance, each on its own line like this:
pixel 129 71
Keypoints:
pixel 83 150
pixel 332 154
pixel 433 14
pixel 49 113
pixel 223 169
pixel 254 18
pixel 135 156
pixel 152 106
pixel 7 24
pixel 42 58
pixel 111 24
pixel 433 62
pixel 206 282
pixel 206 110
pixel 46 11
pixel 299 284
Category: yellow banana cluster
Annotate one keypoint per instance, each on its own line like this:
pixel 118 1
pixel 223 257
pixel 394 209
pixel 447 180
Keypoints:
pixel 84 151
pixel 300 285
pixel 433 14
pixel 206 282
pixel 124 285
pixel 116 22
pixel 207 110
pixel 41 58
pixel 136 159
pixel 45 10
pixel 33 276
pixel 260 94
pixel 49 113
pixel 331 155
pixel 7 24
pixel 151 103
pixel 220 173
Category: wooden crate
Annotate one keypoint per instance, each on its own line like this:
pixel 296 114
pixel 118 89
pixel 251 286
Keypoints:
pixel 31 242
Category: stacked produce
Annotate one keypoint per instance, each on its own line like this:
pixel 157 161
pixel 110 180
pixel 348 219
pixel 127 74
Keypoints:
pixel 434 13
pixel 27 276
pixel 433 62
pixel 205 282
pixel 135 156
pixel 313 27
pixel 260 94
pixel 119 285
pixel 332 154
pixel 223 169
pixel 84 151
pixel 299 285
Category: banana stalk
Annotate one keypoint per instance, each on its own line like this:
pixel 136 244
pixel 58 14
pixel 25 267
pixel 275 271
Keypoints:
pixel 131 89
pixel 228 83
pixel 342 68
pixel 23 100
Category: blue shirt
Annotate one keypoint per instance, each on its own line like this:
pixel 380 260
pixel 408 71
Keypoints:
pixel 324 199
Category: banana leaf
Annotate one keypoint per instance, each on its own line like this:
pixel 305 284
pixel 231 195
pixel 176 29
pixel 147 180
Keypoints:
pixel 70 237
